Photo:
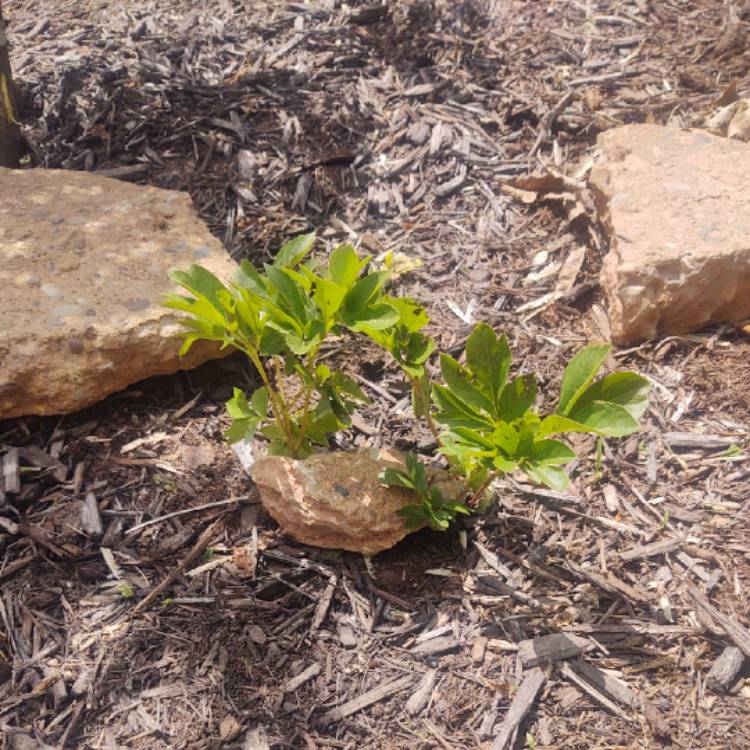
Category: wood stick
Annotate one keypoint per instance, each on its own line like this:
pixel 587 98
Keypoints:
pixel 191 557
pixel 374 695
pixel 735 630
pixel 520 707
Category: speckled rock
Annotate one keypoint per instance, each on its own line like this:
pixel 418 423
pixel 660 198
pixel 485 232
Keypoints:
pixel 83 267
pixel 677 211
pixel 335 499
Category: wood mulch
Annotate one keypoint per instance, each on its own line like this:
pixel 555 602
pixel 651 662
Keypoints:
pixel 146 599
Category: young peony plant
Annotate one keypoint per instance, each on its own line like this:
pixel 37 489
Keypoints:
pixel 485 422
pixel 281 319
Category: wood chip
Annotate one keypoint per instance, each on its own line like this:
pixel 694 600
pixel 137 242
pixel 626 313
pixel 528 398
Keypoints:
pixel 522 703
pixel 295 682
pixel 551 648
pixel 735 630
pixel 650 550
pixel 91 519
pixel 696 441
pixel 374 695
pixel 478 649
pixel 421 696
pixel 436 646
pixel 11 475
pixel 593 692
pixel 725 669
pixel 606 683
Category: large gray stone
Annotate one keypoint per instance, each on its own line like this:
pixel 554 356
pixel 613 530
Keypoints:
pixel 676 206
pixel 83 268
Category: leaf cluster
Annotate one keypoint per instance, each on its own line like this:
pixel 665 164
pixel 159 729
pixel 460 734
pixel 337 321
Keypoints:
pixel 491 424
pixel 280 318
pixel 486 421
pixel 432 508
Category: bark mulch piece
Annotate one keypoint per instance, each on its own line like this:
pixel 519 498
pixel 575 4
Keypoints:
pixel 146 599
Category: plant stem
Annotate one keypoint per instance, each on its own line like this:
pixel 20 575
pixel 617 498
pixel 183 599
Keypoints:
pixel 308 389
pixel 474 499
pixel 278 406
pixel 424 407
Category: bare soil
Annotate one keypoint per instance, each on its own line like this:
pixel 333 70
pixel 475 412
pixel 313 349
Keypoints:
pixel 394 127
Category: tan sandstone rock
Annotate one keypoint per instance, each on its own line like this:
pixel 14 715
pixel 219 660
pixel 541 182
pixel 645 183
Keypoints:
pixel 676 205
pixel 335 499
pixel 83 267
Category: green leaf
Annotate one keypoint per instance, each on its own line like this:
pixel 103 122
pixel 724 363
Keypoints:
pixel 604 418
pixel 272 342
pixel 237 406
pixel 476 439
pixel 362 294
pixel 517 397
pixel 418 349
pixel 488 358
pixel 552 452
pixel 247 277
pixel 579 374
pixel 421 394
pixel 505 464
pixel 294 250
pixel 348 386
pixel 552 476
pixel 412 315
pixel 200 281
pixel 328 296
pixel 241 429
pixel 345 266
pixel 376 317
pixel 454 413
pixel 457 379
pixel 259 402
pixel 290 293
pixel 324 423
pixel 507 437
pixel 415 469
pixel 414 516
pixel 396 478
pixel 556 425
pixel 628 389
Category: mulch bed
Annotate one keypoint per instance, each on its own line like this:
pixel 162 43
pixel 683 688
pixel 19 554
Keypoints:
pixel 147 601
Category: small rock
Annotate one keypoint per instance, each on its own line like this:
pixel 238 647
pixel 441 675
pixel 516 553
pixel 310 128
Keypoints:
pixel 83 269
pixel 678 220
pixel 335 499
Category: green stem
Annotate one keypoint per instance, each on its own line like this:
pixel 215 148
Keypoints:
pixel 278 406
pixel 306 413
pixel 474 499
pixel 424 407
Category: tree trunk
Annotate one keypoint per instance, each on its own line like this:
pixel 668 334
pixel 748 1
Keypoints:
pixel 10 131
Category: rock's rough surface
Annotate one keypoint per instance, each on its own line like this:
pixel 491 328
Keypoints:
pixel 335 499
pixel 83 267
pixel 677 208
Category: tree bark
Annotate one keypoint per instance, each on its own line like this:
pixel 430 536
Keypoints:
pixel 10 131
